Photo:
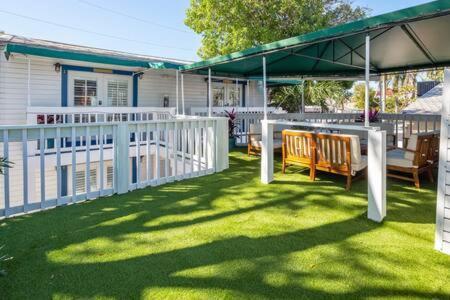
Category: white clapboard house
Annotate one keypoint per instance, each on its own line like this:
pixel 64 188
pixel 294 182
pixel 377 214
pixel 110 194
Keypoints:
pixel 48 83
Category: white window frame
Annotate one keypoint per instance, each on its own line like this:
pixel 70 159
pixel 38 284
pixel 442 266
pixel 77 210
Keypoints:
pixel 102 86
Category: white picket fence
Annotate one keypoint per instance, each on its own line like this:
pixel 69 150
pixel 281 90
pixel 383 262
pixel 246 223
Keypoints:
pixel 48 159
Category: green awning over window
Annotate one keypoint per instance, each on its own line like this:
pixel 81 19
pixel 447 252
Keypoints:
pixel 412 38
pixel 88 57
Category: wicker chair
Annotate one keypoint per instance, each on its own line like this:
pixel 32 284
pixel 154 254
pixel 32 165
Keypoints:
pixel 413 160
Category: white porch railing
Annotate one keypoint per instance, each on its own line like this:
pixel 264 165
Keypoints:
pixel 203 111
pixel 87 161
pixel 70 115
pixel 400 125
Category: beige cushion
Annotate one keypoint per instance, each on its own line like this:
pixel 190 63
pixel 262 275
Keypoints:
pixel 355 149
pixel 399 162
pixel 277 143
pixel 412 145
pixel 398 158
pixel 359 166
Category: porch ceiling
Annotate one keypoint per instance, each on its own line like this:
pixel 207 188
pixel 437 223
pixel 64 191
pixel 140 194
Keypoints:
pixel 412 38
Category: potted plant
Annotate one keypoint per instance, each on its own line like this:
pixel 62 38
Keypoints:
pixel 373 116
pixel 231 115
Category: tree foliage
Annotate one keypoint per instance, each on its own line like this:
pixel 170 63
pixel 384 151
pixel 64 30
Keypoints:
pixel 359 96
pixel 232 25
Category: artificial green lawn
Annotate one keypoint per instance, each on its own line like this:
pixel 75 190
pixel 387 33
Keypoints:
pixel 228 236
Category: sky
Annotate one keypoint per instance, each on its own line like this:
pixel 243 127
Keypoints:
pixel 152 27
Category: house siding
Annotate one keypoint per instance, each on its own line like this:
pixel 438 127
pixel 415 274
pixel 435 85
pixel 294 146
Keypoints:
pixel 45 87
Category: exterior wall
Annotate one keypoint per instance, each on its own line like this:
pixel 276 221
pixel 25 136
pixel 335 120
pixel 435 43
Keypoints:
pixel 45 87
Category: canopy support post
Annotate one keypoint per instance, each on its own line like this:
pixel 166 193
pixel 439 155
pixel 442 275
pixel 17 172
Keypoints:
pixel 366 101
pixel 182 94
pixel 383 93
pixel 176 91
pixel 209 94
pixel 264 87
pixel 303 98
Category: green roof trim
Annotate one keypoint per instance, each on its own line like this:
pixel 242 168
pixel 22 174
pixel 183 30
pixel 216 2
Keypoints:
pixel 427 10
pixel 87 57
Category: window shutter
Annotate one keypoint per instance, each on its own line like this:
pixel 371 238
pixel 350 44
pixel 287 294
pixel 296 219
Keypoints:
pixel 109 177
pixel 80 182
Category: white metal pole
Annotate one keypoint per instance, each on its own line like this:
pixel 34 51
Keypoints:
pixel 176 90
pixel 182 93
pixel 236 94
pixel 247 91
pixel 383 93
pixel 264 87
pixel 29 83
pixel 366 102
pixel 303 97
pixel 209 94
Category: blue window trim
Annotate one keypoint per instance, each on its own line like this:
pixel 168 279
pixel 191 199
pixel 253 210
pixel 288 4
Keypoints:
pixel 65 77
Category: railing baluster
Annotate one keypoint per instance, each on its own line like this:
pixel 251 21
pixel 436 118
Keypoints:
pixel 175 149
pixel 74 164
pixel 25 168
pixel 191 147
pixel 6 191
pixel 138 156
pixel 198 141
pixel 183 149
pixel 157 144
pixel 58 166
pixel 148 157
pixel 166 143
pixel 42 165
pixel 88 161
pixel 101 158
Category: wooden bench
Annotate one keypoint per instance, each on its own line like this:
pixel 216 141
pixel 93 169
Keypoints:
pixel 334 153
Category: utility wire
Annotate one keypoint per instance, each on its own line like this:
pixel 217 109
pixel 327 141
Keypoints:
pixel 132 17
pixel 91 32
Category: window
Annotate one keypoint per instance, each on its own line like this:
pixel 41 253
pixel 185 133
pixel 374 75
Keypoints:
pixel 117 93
pixel 85 92
pixel 218 95
pixel 99 89
pixel 226 95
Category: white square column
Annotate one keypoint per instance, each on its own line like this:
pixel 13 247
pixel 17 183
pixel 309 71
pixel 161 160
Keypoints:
pixel 376 179
pixel 267 152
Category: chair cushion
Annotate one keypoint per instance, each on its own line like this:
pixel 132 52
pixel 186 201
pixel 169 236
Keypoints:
pixel 398 158
pixel 355 149
pixel 359 166
pixel 277 143
pixel 412 145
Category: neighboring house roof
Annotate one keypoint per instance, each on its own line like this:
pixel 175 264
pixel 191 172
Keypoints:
pixel 18 44
pixel 428 103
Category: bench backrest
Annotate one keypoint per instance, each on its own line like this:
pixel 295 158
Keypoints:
pixel 333 152
pixel 298 146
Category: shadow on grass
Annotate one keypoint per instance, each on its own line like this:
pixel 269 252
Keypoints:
pixel 53 256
